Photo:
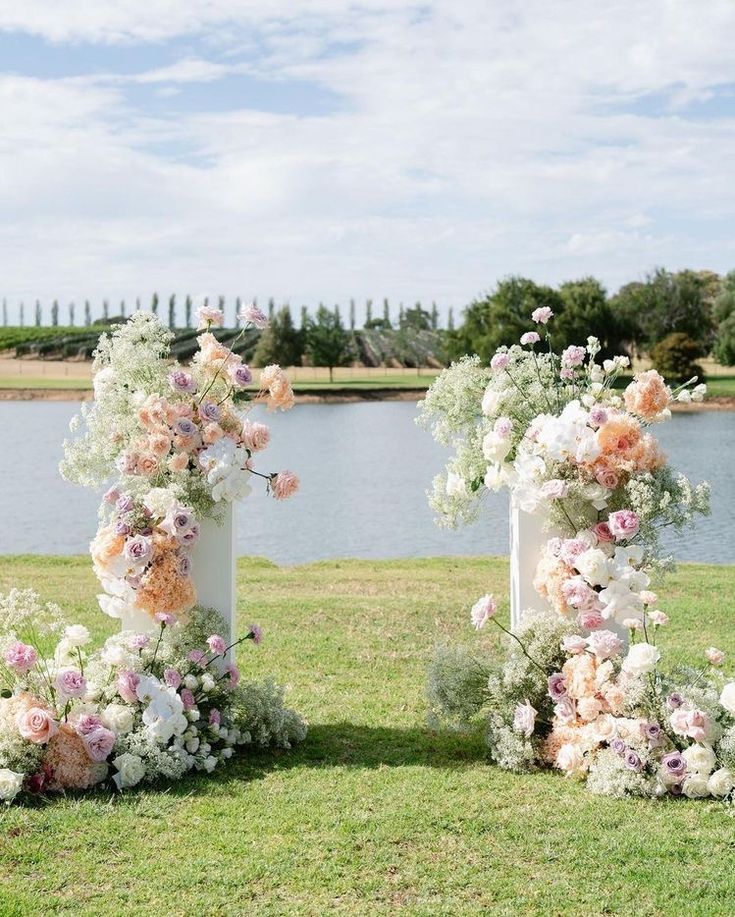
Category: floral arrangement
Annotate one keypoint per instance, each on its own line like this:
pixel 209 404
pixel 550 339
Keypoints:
pixel 180 444
pixel 145 706
pixel 582 702
pixel 581 688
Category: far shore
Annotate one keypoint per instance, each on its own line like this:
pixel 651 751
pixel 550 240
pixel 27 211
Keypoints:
pixel 305 395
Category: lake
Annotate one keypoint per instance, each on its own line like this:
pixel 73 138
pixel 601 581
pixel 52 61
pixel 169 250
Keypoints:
pixel 364 469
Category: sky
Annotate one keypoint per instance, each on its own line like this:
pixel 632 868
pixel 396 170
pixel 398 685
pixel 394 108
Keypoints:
pixel 326 150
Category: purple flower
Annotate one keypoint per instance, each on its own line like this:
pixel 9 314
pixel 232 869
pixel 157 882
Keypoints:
pixel 557 686
pixel 121 527
pixel 256 633
pixel 619 747
pixel 210 411
pixel 633 761
pixel 185 427
pixel 181 381
pixel 674 700
pixel 240 375
pixel 674 764
pixel 138 550
pixel 125 503
pixel 70 683
pixel 652 732
pixel 190 536
pixel 598 416
pixel 99 743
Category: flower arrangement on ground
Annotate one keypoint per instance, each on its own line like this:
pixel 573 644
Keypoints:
pixel 573 448
pixel 179 444
pixel 143 707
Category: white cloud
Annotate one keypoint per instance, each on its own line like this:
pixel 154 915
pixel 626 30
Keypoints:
pixel 470 140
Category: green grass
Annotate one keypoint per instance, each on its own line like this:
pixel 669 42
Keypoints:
pixel 22 382
pixel 374 813
pixel 721 386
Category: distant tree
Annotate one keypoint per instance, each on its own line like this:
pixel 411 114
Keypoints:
pixel 172 311
pixel 450 319
pixel 122 308
pixel 724 315
pixel 304 318
pixel 666 303
pixel 416 319
pixel 327 342
pixel 72 310
pixel 38 314
pixel 221 304
pixel 154 304
pixel 281 342
pixel 352 315
pixel 87 313
pixel 386 313
pixel 22 313
pixel 434 317
pixel 105 309
pixel 55 313
pixel 501 316
pixel 368 312
pixel 400 314
pixel 675 357
pixel 187 311
pixel 5 312
pixel 238 307
pixel 137 303
pixel 587 311
pixel 271 308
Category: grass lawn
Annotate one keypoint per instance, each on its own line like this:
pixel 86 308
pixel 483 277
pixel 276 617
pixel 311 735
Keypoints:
pixel 374 813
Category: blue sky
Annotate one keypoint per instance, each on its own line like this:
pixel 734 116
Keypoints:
pixel 326 150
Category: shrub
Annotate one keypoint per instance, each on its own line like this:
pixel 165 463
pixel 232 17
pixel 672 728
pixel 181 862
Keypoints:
pixel 675 357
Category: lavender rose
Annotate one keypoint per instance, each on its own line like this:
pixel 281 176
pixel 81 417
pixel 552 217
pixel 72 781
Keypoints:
pixel 185 427
pixel 138 550
pixel 181 381
pixel 557 686
pixel 210 411
pixel 674 764
pixel 633 761
pixel 240 375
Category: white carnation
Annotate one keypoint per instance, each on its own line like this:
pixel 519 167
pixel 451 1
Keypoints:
pixel 118 718
pixel 727 698
pixel 77 635
pixel 641 659
pixel 130 770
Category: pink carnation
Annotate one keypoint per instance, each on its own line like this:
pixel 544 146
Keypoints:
pixel 187 699
pixel 573 356
pixel 579 595
pixel 197 656
pixel 598 416
pixel 284 484
pixel 252 315
pixel 483 610
pixel 570 550
pixel 172 677
pixel 20 656
pixel 503 427
pixel 217 644
pixel 215 717
pixel 604 644
pixel 693 724
pixel 590 620
pixel 541 315
pixel 207 317
pixel 499 362
pixel 234 673
pixel 574 644
pixel 70 683
pixel 530 337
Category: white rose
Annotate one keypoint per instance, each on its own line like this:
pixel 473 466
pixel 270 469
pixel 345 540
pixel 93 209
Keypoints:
pixel 10 784
pixel 130 770
pixel 77 635
pixel 226 753
pixel 695 786
pixel 191 682
pixel 208 683
pixel 490 401
pixel 193 715
pixel 495 447
pixel 192 745
pixel 118 718
pixel 593 566
pixel 700 759
pixel 641 659
pixel 721 782
pixel 727 698
pixel 597 495
pixel 114 654
pixel 160 501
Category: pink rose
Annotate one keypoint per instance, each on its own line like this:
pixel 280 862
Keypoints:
pixel 70 683
pixel 500 361
pixel 87 723
pixel 607 477
pixel 693 724
pixel 503 426
pixel 217 644
pixel 579 595
pixel 36 725
pixel 99 743
pixel 570 550
pixel 255 436
pixel 556 489
pixel 603 533
pixel 624 524
pixel 284 484
pixel 20 657
pixel 127 686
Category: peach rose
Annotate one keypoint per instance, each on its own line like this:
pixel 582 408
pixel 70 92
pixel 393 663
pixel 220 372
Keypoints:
pixel 211 433
pixel 36 725
pixel 179 462
pixel 147 464
pixel 158 444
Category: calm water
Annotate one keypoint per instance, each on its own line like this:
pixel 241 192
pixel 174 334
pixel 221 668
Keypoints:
pixel 364 470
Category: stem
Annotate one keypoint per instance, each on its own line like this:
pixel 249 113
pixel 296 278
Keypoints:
pixel 523 648
pixel 222 363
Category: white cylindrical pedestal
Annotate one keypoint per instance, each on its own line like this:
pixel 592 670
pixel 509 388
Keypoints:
pixel 527 539
pixel 213 572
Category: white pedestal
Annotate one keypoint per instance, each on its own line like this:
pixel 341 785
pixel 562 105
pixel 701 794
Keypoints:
pixel 213 572
pixel 527 539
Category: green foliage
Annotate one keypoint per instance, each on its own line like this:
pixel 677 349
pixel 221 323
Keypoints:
pixel 587 311
pixel 724 314
pixel 327 342
pixel 281 342
pixel 501 317
pixel 675 357
pixel 666 303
